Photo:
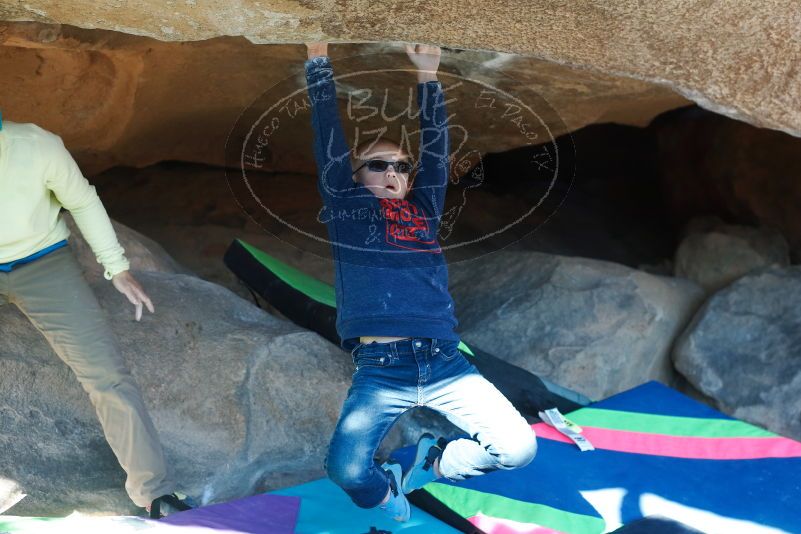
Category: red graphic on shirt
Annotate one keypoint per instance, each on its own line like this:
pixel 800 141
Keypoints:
pixel 407 226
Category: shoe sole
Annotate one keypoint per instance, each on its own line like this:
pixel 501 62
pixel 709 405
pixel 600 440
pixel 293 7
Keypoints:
pixel 419 456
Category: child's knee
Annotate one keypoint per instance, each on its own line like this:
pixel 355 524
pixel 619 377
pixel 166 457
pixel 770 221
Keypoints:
pixel 517 450
pixel 345 473
pixel 347 470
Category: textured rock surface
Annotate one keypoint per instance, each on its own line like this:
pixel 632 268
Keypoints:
pixel 739 59
pixel 242 401
pixel 742 349
pixel 714 254
pixel 122 99
pixel 592 326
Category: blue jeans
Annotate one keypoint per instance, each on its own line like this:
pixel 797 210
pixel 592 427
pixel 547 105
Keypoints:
pixel 392 377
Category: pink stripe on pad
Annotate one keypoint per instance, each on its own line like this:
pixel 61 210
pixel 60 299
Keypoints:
pixel 680 446
pixel 494 525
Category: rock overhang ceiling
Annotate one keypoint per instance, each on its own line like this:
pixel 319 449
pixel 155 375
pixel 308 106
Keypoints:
pixel 124 82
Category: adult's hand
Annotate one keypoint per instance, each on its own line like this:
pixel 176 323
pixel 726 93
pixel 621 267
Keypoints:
pixel 317 49
pixel 128 286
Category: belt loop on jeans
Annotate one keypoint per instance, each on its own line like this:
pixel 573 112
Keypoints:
pixel 434 348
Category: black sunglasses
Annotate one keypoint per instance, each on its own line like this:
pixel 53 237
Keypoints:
pixel 379 165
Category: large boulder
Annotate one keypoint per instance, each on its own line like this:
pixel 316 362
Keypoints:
pixel 737 58
pixel 243 401
pixel 714 254
pixel 593 326
pixel 742 349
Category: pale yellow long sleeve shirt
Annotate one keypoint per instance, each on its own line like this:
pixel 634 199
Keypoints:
pixel 37 178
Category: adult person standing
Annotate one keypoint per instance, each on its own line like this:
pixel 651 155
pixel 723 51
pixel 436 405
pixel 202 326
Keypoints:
pixel 40 275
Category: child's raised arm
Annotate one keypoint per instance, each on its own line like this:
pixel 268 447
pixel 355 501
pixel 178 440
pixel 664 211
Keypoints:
pixel 331 151
pixel 431 180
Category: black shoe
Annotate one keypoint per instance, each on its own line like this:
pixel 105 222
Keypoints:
pixel 166 505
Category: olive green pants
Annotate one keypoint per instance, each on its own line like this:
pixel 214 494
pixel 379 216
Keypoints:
pixel 53 294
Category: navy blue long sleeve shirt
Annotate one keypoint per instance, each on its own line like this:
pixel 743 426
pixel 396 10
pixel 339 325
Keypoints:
pixel 391 277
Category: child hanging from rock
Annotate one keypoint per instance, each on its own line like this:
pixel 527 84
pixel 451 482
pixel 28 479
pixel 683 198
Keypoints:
pixel 394 311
